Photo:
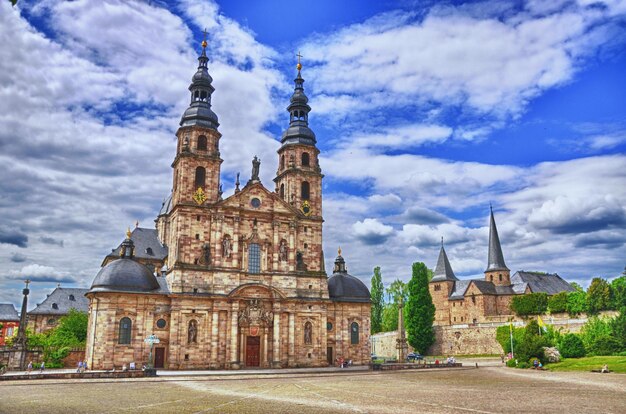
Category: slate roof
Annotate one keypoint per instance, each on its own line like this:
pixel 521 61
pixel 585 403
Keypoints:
pixel 8 313
pixel 343 287
pixel 549 283
pixel 64 299
pixel 443 270
pixel 459 289
pixel 495 260
pixel 147 245
pixel 125 275
pixel 166 207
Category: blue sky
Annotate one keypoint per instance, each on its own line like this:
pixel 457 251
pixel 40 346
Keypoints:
pixel 425 113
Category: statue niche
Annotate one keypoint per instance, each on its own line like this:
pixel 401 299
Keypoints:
pixel 205 257
pixel 192 332
pixel 283 251
pixel 308 333
pixel 226 246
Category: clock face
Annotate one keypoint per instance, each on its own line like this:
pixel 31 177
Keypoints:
pixel 306 208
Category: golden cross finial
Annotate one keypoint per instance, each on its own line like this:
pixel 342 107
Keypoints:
pixel 339 251
pixel 128 233
pixel 27 281
pixel 204 43
pixel 299 65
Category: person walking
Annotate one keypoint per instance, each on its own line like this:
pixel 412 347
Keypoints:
pixel 29 369
pixel 42 367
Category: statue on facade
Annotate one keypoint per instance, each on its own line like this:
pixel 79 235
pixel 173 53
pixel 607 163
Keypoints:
pixel 226 246
pixel 256 163
pixel 206 254
pixel 192 332
pixel 282 251
pixel 308 333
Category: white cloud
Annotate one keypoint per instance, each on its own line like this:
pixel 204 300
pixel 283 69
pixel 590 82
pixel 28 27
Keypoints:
pixel 371 231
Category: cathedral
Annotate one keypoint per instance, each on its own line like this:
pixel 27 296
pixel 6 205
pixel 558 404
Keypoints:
pixel 230 283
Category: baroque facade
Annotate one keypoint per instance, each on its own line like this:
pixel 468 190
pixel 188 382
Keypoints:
pixel 242 282
pixel 475 301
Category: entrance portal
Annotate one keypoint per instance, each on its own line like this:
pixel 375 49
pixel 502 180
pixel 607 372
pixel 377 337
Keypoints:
pixel 159 357
pixel 329 355
pixel 253 351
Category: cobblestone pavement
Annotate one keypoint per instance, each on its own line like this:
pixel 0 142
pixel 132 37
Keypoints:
pixel 483 390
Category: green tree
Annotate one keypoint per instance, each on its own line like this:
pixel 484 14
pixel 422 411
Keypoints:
pixel 503 336
pixel 530 304
pixel 396 290
pixel 577 287
pixel 618 292
pixel 558 303
pixel 420 311
pixel 378 301
pixel 595 328
pixel 72 329
pixel 598 296
pixel 618 327
pixel 576 302
pixel 390 317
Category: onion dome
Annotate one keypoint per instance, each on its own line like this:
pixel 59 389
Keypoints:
pixel 299 131
pixel 125 274
pixel 343 287
pixel 199 111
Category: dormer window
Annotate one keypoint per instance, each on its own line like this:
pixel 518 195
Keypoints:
pixel 149 251
pixel 55 306
pixel 71 297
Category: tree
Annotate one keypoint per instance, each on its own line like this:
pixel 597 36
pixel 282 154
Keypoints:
pixel 618 292
pixel 72 329
pixel 577 287
pixel 420 311
pixel 598 296
pixel 558 303
pixel 571 346
pixel 396 290
pixel 377 296
pixel 390 317
pixel 576 302
pixel 530 304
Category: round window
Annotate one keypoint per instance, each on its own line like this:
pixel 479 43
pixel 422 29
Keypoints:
pixel 329 326
pixel 255 202
pixel 161 323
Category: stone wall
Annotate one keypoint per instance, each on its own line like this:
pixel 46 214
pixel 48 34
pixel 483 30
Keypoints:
pixel 384 345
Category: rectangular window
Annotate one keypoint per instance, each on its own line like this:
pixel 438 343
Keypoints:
pixel 254 258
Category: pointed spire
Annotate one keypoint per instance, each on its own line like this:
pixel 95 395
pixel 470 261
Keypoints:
pixel 299 131
pixel 199 111
pixel 443 270
pixel 496 258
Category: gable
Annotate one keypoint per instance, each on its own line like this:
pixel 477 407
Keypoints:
pixel 268 202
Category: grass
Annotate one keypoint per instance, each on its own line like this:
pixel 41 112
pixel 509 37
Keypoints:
pixel 615 363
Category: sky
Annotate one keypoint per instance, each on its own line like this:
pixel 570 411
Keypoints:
pixel 426 112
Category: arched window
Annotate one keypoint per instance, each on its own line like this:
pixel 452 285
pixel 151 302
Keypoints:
pixel 254 258
pixel 125 328
pixel 305 191
pixel 200 177
pixel 354 333
pixel 500 277
pixel 308 333
pixel 282 191
pixel 305 159
pixel 201 143
pixel 282 162
pixel 491 278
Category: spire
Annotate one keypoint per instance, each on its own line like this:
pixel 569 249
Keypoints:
pixel 299 131
pixel 443 271
pixel 496 258
pixel 199 111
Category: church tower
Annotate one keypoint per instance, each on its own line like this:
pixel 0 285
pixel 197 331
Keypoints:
pixel 496 271
pixel 299 178
pixel 197 162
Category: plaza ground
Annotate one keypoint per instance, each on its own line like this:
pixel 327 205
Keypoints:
pixel 488 389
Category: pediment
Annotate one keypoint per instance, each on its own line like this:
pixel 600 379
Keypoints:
pixel 268 201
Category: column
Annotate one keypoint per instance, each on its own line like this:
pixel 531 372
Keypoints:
pixel 323 335
pixel 214 338
pixel 292 339
pixel 264 350
pixel 233 336
pixel 292 246
pixel 276 333
pixel 276 241
pixel 235 244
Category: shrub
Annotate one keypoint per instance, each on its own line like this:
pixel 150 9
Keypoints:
pixel 511 363
pixel 503 336
pixel 618 327
pixel 524 365
pixel 593 329
pixel 604 345
pixel 530 304
pixel 552 354
pixel 558 303
pixel 572 346
pixel 576 303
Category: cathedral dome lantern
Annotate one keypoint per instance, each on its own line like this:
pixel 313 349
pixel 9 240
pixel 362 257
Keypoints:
pixel 199 111
pixel 343 287
pixel 299 131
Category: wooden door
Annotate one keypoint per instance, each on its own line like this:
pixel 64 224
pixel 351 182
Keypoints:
pixel 329 355
pixel 159 357
pixel 253 351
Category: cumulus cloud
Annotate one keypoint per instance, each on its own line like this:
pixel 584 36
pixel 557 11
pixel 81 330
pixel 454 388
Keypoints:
pixel 40 273
pixel 421 215
pixel 372 231
pixel 13 236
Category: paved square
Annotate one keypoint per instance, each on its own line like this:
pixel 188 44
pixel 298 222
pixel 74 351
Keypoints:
pixel 483 390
